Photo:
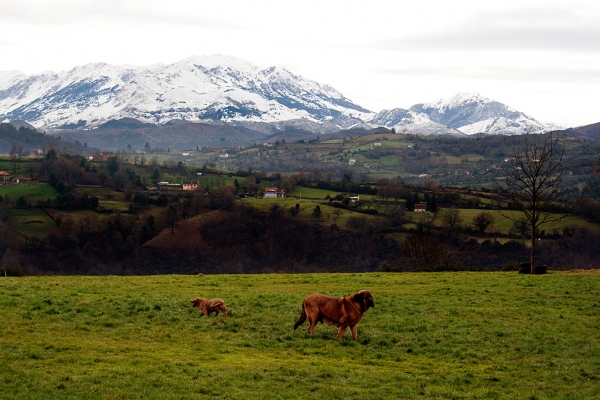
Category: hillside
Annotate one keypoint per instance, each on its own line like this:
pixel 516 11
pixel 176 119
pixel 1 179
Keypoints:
pixel 591 131
pixel 22 140
pixel 129 215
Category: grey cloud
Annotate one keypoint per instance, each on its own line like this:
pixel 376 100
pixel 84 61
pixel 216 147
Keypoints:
pixel 528 29
pixel 116 12
pixel 516 73
pixel 504 38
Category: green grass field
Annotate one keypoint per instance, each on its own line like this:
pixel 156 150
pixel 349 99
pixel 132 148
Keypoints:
pixel 437 335
pixel 33 222
pixel 504 225
pixel 33 192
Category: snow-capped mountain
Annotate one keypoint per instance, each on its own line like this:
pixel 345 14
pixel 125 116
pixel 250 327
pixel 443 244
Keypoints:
pixel 198 88
pixel 227 90
pixel 465 113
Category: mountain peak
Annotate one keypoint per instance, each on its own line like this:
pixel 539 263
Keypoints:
pixel 458 100
pixel 216 87
pixel 220 60
pixel 228 89
pixel 464 113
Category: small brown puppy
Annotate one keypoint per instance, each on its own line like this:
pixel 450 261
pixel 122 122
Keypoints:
pixel 208 306
pixel 343 312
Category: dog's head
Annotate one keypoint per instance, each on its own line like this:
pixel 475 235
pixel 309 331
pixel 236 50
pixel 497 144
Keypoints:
pixel 364 296
pixel 197 301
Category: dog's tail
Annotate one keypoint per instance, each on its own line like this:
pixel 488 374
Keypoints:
pixel 301 319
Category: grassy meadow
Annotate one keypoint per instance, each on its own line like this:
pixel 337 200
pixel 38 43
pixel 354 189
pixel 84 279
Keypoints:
pixel 430 335
pixel 33 192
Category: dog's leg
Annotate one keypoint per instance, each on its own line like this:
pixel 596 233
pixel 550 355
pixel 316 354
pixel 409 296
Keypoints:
pixel 311 327
pixel 313 319
pixel 353 330
pixel 216 312
pixel 341 332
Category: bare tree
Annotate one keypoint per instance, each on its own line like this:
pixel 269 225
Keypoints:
pixel 521 226
pixel 593 185
pixel 451 217
pixel 534 186
pixel 482 221
pixel 422 252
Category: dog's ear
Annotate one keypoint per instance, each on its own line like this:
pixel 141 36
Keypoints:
pixel 360 297
pixel 367 299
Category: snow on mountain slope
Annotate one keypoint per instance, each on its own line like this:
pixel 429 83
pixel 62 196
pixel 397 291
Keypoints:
pixel 214 87
pixel 465 113
pixel 230 90
pixel 411 122
pixel 501 125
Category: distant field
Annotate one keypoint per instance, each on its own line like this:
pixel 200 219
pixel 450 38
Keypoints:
pixel 33 191
pixel 329 213
pixel 33 222
pixel 437 335
pixel 504 225
pixel 312 193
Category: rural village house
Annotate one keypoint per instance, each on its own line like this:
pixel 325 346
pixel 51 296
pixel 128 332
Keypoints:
pixel 4 177
pixel 190 185
pixel 274 193
pixel 419 207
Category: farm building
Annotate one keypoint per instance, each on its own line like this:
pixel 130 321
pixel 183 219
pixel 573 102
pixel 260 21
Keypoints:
pixel 420 207
pixel 274 193
pixel 190 185
pixel 4 177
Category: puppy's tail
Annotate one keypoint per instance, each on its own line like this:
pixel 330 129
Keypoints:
pixel 301 319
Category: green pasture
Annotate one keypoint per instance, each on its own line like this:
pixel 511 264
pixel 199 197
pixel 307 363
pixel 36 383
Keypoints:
pixel 32 191
pixel 33 222
pixel 504 225
pixel 306 207
pixel 312 193
pixel 214 181
pixel 319 195
pixel 437 335
pixel 329 213
pixel 470 157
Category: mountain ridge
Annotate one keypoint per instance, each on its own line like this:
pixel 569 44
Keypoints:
pixel 227 90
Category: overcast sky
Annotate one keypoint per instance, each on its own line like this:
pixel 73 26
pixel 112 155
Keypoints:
pixel 540 57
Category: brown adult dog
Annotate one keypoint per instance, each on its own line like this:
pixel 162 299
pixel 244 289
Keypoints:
pixel 343 312
pixel 208 306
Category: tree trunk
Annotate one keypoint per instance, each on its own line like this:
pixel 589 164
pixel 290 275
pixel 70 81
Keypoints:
pixel 533 251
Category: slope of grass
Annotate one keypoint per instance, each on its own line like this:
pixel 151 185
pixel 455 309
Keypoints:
pixel 504 225
pixel 32 191
pixel 33 222
pixel 442 335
